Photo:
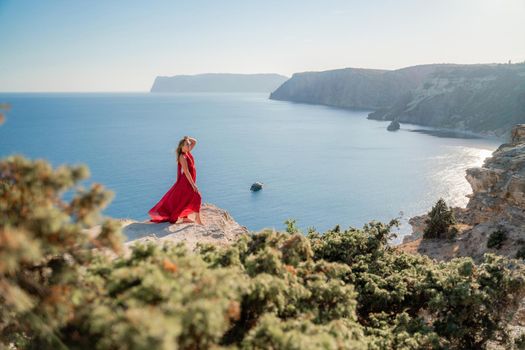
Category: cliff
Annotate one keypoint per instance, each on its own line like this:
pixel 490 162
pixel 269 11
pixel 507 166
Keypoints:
pixel 497 203
pixel 218 82
pixel 487 99
pixel 220 228
pixel 352 87
pixel 480 98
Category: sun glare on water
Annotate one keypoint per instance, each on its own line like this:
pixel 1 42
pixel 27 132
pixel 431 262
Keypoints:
pixel 451 178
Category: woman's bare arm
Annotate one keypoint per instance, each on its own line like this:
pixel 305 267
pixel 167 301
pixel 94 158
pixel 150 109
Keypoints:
pixel 184 164
pixel 193 142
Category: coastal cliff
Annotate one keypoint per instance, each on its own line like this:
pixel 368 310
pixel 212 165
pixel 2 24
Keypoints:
pixel 486 99
pixel 218 82
pixel 481 98
pixel 220 229
pixel 352 87
pixel 497 203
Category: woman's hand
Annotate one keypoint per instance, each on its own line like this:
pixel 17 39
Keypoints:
pixel 195 188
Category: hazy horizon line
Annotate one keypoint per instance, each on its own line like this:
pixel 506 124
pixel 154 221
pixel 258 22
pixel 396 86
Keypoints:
pixel 244 73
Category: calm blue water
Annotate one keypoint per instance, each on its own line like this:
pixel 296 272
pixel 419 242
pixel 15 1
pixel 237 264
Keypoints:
pixel 322 166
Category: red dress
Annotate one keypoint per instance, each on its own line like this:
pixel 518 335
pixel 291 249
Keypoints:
pixel 181 199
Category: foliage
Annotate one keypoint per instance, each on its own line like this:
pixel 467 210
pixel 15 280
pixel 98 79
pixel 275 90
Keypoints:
pixel 291 226
pixel 496 239
pixel 344 289
pixel 439 222
pixel 43 248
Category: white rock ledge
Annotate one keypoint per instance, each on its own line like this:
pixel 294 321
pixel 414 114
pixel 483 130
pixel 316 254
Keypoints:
pixel 219 228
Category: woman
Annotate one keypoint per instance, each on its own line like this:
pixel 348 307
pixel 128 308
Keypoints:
pixel 183 198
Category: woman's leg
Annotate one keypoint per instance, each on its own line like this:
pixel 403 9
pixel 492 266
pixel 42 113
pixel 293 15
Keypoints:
pixel 183 219
pixel 198 218
pixel 186 219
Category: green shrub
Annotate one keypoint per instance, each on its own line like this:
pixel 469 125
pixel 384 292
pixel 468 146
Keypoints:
pixel 452 232
pixel 291 226
pixel 439 222
pixel 44 252
pixel 496 239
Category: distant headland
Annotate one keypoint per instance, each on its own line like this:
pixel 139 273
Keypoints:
pixel 219 82
pixel 481 98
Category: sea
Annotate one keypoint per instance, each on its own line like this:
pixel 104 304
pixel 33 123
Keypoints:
pixel 320 166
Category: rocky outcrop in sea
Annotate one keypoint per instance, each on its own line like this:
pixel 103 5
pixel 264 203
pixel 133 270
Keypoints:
pixel 393 126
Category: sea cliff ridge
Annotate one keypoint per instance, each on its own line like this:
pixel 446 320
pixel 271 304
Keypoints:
pixel 486 99
pixel 218 82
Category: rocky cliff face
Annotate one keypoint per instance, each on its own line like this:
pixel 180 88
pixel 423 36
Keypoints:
pixel 353 87
pixel 487 99
pixel 497 202
pixel 481 98
pixel 499 186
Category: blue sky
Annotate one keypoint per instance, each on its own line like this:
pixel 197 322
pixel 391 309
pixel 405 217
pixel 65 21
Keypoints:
pixel 114 45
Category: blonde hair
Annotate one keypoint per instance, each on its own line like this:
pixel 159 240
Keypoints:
pixel 181 144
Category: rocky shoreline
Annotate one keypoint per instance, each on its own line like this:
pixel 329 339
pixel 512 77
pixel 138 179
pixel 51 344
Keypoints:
pixel 497 202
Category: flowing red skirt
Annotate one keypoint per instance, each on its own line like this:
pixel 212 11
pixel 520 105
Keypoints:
pixel 178 202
